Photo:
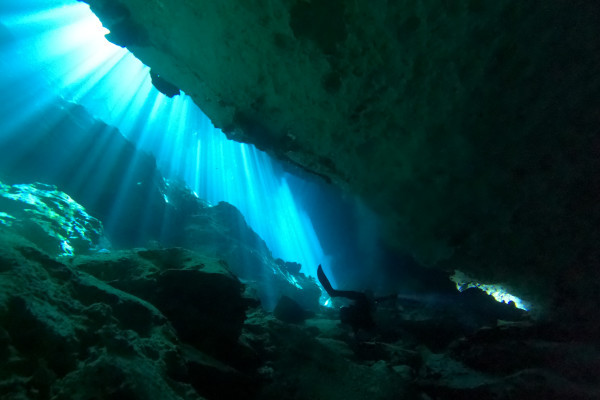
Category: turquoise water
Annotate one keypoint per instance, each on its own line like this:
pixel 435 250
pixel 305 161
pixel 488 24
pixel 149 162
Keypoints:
pixel 66 44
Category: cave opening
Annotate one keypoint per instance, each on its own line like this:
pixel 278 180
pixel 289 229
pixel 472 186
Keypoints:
pixel 145 254
pixel 59 49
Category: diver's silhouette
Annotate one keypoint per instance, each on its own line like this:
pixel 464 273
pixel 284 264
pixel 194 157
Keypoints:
pixel 357 315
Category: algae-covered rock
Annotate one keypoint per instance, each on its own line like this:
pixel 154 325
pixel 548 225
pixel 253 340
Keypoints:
pixel 49 218
pixel 67 335
pixel 222 232
pixel 199 295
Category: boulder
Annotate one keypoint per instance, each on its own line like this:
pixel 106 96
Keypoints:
pixel 201 298
pixel 50 219
pixel 287 310
pixel 65 334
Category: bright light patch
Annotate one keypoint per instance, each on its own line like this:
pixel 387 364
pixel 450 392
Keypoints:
pixel 6 219
pixel 293 281
pixel 63 42
pixel 219 169
pixel 66 248
pixel 66 44
pixel 63 222
pixel 464 282
pixel 68 40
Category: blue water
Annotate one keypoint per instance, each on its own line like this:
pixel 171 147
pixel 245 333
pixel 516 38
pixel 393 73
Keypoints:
pixel 57 47
pixel 63 43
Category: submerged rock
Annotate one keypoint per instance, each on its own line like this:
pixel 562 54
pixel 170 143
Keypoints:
pixel 201 298
pixel 302 367
pixel 136 205
pixel 169 323
pixel 65 334
pixel 470 127
pixel 72 150
pixel 288 310
pixel 163 86
pixel 222 232
pixel 50 219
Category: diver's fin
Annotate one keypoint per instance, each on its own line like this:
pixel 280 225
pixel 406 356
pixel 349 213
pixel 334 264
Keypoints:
pixel 325 282
pixel 337 293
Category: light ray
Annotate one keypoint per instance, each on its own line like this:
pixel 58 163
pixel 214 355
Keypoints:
pixel 64 43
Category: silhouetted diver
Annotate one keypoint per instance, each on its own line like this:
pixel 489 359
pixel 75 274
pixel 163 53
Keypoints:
pixel 357 315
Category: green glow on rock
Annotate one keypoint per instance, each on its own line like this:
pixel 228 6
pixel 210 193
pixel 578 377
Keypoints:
pixel 49 218
pixel 6 219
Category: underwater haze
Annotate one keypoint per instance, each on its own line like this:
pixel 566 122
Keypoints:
pixel 58 48
pixel 143 255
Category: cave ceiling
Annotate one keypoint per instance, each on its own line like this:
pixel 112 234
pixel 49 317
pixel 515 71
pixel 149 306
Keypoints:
pixel 470 127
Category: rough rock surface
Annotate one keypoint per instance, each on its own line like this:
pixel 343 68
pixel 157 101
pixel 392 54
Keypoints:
pixel 66 335
pixel 222 232
pixel 471 126
pixel 168 323
pixel 49 218
pixel 499 360
pixel 132 205
pixel 200 297
pixel 298 366
pixel 63 150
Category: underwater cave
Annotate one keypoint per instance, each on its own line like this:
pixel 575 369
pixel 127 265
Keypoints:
pixel 299 200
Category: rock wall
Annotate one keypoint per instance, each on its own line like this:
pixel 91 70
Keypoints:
pixel 122 187
pixel 65 334
pixel 169 323
pixel 50 219
pixel 470 126
pixel 87 159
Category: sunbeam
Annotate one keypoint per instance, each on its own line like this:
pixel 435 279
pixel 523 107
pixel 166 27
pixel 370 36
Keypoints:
pixel 413 213
pixel 61 45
